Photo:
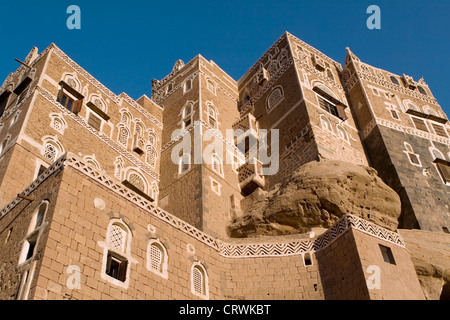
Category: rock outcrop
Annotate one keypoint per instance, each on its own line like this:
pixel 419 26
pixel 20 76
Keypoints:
pixel 317 195
pixel 430 254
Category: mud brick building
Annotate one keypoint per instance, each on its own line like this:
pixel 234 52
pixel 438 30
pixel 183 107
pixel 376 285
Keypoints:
pixel 105 197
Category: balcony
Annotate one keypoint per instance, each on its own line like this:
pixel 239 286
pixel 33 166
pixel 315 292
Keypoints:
pixel 250 177
pixel 248 125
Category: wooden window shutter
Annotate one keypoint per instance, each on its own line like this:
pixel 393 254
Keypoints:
pixel 95 122
pixel 123 270
pixel 77 105
pixel 420 124
pixel 440 130
pixel 341 112
pixel 444 169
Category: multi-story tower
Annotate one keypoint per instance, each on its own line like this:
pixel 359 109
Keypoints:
pixel 199 179
pixel 406 135
pixel 296 89
pixel 50 105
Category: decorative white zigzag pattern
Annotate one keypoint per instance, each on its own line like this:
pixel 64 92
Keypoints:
pixel 228 250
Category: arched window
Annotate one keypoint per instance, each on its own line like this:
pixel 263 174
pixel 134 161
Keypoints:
pixel 117 238
pixel 157 258
pixel 325 123
pixel 51 151
pixel 342 133
pixel 437 154
pixel 212 116
pixel 188 85
pixel 152 138
pixel 169 87
pixel 138 129
pixel 211 87
pixel 126 119
pixel 410 106
pixel 187 116
pixel 274 99
pixel 137 181
pixel 117 253
pixel 199 281
pixel 123 136
pixel 216 164
pixel 151 156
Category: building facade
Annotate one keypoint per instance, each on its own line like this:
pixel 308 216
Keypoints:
pixel 105 197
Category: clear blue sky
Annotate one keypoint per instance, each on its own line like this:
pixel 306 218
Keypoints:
pixel 125 44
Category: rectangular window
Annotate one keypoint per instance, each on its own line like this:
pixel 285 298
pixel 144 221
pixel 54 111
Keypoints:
pixel 66 101
pixel 420 124
pixel 394 114
pixel 440 130
pixel 329 107
pixel 95 122
pixel 387 254
pixel 116 267
pixel 444 169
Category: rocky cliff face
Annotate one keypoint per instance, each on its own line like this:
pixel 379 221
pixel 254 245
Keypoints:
pixel 317 195
pixel 430 254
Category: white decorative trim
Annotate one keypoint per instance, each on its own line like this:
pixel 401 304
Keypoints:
pixel 164 264
pixel 397 126
pixel 108 141
pixel 225 249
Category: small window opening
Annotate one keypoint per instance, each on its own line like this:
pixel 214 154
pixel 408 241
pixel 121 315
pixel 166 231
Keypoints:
pixel 387 254
pixel 116 267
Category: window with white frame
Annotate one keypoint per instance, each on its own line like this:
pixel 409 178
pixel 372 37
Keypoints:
pixel 342 133
pixel 199 281
pixel 212 116
pixel 157 258
pixel 413 158
pixel 211 86
pixel 126 118
pixel 137 181
pixel 325 123
pixel 123 136
pixel 116 262
pixel 31 240
pixel 151 156
pixel 152 139
pixel 94 121
pixel 185 163
pixel 420 124
pixel 439 129
pixel 216 186
pixel 437 154
pixel 216 164
pixel 51 151
pixel 187 113
pixel 187 85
